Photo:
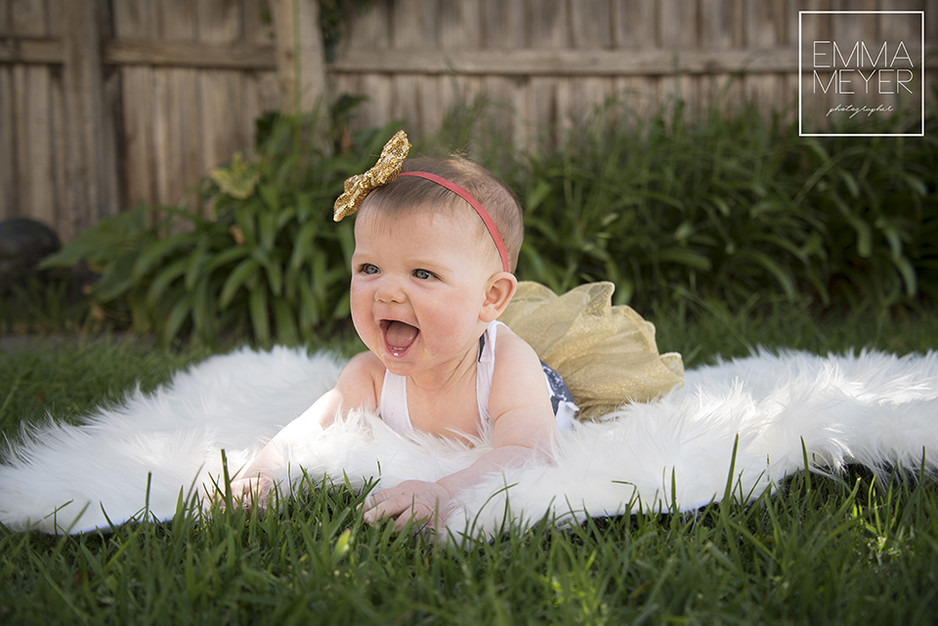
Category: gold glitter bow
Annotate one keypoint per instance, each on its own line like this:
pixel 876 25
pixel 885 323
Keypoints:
pixel 385 170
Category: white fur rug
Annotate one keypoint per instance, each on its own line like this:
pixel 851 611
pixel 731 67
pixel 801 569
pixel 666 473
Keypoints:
pixel 153 451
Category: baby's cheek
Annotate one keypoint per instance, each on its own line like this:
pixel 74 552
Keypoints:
pixel 453 327
pixel 362 321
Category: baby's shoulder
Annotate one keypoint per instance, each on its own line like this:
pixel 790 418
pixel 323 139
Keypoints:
pixel 360 380
pixel 510 346
pixel 513 355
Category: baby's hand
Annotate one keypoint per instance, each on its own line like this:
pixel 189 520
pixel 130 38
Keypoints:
pixel 412 500
pixel 250 492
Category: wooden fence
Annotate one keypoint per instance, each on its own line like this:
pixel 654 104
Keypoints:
pixel 105 103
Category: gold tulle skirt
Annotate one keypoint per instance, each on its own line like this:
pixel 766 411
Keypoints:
pixel 606 354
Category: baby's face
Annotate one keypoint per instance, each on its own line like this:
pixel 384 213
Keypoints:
pixel 418 287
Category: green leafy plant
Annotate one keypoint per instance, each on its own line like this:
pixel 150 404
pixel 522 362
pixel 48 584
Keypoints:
pixel 731 207
pixel 728 207
pixel 877 201
pixel 265 260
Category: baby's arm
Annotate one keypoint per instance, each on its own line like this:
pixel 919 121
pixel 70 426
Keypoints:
pixel 523 431
pixel 354 388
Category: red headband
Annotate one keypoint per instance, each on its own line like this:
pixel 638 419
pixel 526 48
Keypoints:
pixel 475 204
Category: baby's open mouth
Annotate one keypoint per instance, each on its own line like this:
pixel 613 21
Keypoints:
pixel 398 336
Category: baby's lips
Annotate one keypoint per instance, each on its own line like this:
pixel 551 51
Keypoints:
pixel 399 335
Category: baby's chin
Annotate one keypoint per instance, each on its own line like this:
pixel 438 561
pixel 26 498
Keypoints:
pixel 399 366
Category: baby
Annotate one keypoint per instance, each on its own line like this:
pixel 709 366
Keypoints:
pixel 435 248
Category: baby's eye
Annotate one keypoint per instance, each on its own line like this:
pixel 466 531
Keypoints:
pixel 368 268
pixel 423 274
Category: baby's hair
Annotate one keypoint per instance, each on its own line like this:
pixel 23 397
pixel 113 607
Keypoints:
pixel 408 193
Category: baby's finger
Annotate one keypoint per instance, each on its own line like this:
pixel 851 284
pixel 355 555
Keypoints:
pixel 375 499
pixel 416 517
pixel 383 496
pixel 391 507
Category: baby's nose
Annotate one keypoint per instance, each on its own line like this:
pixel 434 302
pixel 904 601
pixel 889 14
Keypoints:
pixel 389 290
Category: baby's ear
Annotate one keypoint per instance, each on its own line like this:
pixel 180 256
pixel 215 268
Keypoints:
pixel 501 288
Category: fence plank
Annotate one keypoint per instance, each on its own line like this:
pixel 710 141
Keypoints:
pixel 124 52
pixel 174 105
pixel 193 54
pixel 765 28
pixel 175 21
pixel 260 91
pixel 219 21
pixel 717 21
pixel 457 25
pixel 255 28
pixel 176 136
pixel 28 18
pixel 26 157
pixel 20 109
pixel 635 24
pixel 134 19
pixel 434 96
pixel 506 97
pixel 559 63
pixel 407 26
pixel 37 119
pixel 502 25
pixel 59 148
pixel 588 28
pixel 219 90
pixel 220 105
pixel 140 164
pixel 544 114
pixel 370 25
pixel 300 60
pixel 679 35
pixel 91 166
pixel 677 24
pixel 405 100
pixel 380 91
pixel 546 23
pixel 9 183
pixel 635 29
pixel 721 28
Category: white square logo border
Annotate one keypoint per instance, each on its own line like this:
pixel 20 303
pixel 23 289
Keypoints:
pixel 801 132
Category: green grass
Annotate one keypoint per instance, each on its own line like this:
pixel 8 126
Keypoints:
pixel 834 552
pixel 38 305
pixel 847 549
pixel 711 329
